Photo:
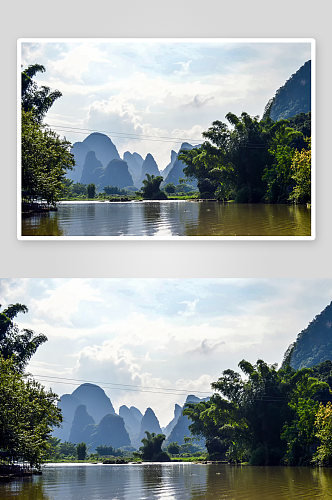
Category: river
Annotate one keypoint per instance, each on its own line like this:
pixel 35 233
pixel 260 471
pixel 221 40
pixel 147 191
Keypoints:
pixel 171 481
pixel 170 218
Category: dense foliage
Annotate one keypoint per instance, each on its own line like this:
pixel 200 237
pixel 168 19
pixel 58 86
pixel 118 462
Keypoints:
pixel 34 99
pixel 151 448
pixel 45 160
pixel 81 450
pixel 250 160
pixel 15 344
pixel 27 411
pixel 45 156
pixel 27 415
pixel 151 188
pixel 266 417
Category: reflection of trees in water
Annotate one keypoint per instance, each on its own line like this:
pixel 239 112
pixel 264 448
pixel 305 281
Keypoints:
pixel 152 476
pixel 24 489
pixel 274 483
pixel 42 225
pixel 232 219
pixel 178 481
pixel 152 217
pixel 171 218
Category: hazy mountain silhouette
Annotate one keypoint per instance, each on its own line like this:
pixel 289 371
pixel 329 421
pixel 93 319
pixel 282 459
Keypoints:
pixel 81 420
pixel 150 167
pixel 177 412
pixel 103 146
pixel 79 150
pixel 181 428
pixel 138 158
pixel 132 424
pixel 313 344
pixel 295 96
pixel 116 174
pixel 92 169
pixel 166 170
pixel 176 172
pixel 149 423
pixel 134 167
pixel 110 432
pixel 68 405
pixel 94 398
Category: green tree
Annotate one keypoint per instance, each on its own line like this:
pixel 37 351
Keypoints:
pixel 169 188
pixel 301 174
pixel 53 447
pixel 45 160
pixel 210 166
pixel 300 431
pixel 238 159
pixel 151 188
pixel 67 449
pixel 36 100
pixel 81 450
pixel 27 415
pixel 151 449
pixel 323 427
pixel 173 448
pixel 278 175
pixel 91 188
pixel 114 190
pixel 103 450
pixel 19 345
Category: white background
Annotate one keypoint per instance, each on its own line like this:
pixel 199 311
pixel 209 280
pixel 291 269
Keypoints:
pixel 159 18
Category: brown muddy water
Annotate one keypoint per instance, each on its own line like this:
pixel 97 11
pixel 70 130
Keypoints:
pixel 171 481
pixel 170 218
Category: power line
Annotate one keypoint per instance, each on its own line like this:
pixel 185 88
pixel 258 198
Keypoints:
pixel 143 137
pixel 111 385
pixel 78 130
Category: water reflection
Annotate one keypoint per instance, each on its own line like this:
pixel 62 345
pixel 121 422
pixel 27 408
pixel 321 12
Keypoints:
pixel 172 481
pixel 170 219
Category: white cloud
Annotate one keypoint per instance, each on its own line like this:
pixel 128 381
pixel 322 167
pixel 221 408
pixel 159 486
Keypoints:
pixel 184 68
pixel 75 63
pixel 130 331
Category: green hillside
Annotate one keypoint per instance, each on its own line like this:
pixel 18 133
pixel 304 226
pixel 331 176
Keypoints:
pixel 295 96
pixel 314 344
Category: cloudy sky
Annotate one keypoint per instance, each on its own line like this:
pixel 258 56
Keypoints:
pixel 150 95
pixel 150 342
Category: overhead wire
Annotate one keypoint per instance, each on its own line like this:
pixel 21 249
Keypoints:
pixel 111 385
pixel 143 137
pixel 125 135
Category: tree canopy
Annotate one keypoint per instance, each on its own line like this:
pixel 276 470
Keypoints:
pixel 45 157
pixel 27 414
pixel 247 159
pixel 16 344
pixel 35 99
pixel 266 417
pixel 27 411
pixel 151 448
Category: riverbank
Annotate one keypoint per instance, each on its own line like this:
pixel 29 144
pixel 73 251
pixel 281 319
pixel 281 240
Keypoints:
pixel 10 472
pixel 29 209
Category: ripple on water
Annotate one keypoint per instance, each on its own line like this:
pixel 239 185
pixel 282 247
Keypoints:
pixel 170 219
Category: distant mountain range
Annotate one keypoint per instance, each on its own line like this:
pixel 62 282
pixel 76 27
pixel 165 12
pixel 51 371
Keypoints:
pixel 89 416
pixel 97 161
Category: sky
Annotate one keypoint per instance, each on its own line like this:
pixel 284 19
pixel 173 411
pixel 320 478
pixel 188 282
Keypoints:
pixel 151 342
pixel 150 95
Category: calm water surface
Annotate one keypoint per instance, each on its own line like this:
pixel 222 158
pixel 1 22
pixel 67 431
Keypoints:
pixel 170 218
pixel 172 481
